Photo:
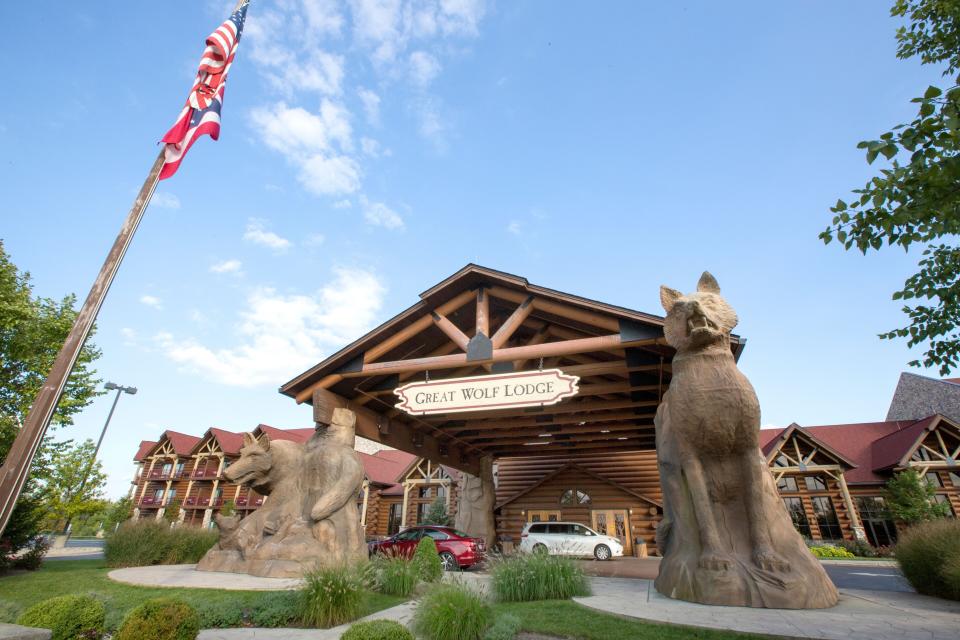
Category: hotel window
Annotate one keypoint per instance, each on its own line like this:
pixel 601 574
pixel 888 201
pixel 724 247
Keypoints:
pixel 441 492
pixel 171 495
pixel 426 493
pixel 574 496
pixel 798 515
pixel 179 469
pixel 422 510
pixel 393 519
pixel 787 483
pixel 941 498
pixel 933 479
pixel 826 518
pixel 815 483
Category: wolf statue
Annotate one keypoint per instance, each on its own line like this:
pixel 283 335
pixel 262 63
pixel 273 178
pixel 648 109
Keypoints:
pixel 310 518
pixel 726 537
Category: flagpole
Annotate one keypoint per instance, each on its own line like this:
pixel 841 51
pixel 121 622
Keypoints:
pixel 16 468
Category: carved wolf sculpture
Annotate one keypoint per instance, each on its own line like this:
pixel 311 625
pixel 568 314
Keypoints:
pixel 478 496
pixel 726 537
pixel 310 517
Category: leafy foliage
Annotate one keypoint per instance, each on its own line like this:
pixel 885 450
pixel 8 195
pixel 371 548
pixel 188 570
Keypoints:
pixel 69 617
pixel 148 542
pixel 228 508
pixel 377 630
pixel 32 330
pixel 929 557
pixel 537 576
pixel 67 495
pixel 830 551
pixel 426 560
pixel 437 513
pixel 160 619
pixel 915 199
pixel 332 596
pixel 909 498
pixel 451 612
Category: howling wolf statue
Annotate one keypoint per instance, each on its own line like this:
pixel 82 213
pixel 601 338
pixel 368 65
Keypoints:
pixel 726 537
pixel 310 518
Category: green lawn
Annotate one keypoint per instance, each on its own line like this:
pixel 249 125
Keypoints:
pixel 568 619
pixel 216 608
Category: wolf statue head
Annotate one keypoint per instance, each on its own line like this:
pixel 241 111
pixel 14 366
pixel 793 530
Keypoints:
pixel 699 320
pixel 255 466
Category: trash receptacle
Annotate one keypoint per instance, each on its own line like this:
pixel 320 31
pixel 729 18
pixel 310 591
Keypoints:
pixel 639 547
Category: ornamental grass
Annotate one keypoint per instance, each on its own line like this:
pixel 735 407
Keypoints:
pixel 394 575
pixel 149 542
pixel 929 557
pixel 332 595
pixel 451 612
pixel 536 576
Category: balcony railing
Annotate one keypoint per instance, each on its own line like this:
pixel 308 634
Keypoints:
pixel 247 503
pixel 166 475
pixel 205 473
pixel 148 501
pixel 204 501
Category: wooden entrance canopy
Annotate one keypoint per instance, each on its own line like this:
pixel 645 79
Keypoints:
pixel 481 321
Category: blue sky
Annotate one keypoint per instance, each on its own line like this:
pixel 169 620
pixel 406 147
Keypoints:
pixel 370 149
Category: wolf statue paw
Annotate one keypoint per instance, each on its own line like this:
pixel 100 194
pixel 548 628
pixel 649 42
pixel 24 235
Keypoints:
pixel 714 561
pixel 768 560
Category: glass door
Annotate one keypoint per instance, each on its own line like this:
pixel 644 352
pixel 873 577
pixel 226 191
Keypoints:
pixel 614 523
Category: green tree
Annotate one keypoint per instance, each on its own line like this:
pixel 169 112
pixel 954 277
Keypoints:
pixel 32 329
pixel 915 198
pixel 437 513
pixel 118 512
pixel 68 496
pixel 909 498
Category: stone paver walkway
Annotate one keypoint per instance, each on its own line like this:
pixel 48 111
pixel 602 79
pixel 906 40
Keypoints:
pixel 860 615
pixel 186 575
pixel 402 613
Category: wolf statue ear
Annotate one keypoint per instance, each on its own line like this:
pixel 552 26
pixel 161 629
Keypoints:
pixel 708 284
pixel 669 297
pixel 248 439
pixel 265 442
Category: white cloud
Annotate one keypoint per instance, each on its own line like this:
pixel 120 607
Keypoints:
pixel 342 204
pixel 423 68
pixel 315 240
pixel 515 227
pixel 151 301
pixel 317 143
pixel 281 335
pixel 165 200
pixel 257 234
pixel 227 266
pixel 370 147
pixel 380 215
pixel 371 105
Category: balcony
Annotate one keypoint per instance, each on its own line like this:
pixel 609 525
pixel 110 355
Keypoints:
pixel 205 474
pixel 150 501
pixel 248 503
pixel 202 502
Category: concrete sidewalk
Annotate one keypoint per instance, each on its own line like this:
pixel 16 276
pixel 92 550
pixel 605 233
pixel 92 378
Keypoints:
pixel 860 615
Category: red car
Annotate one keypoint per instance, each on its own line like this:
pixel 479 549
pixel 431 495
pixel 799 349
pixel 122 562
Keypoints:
pixel 457 549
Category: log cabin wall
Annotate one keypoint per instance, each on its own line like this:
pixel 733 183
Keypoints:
pixel 634 471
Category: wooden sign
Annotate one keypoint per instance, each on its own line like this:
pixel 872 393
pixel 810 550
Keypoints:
pixel 479 393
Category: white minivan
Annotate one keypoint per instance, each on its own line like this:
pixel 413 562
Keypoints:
pixel 568 539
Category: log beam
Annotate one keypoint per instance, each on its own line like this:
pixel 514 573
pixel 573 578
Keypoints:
pixel 538 421
pixel 511 324
pixel 483 312
pixel 453 332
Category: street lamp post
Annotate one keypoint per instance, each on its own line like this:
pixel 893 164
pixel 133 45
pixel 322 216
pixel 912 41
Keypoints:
pixel 110 386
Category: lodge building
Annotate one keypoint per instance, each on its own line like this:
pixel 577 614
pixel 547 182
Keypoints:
pixel 589 457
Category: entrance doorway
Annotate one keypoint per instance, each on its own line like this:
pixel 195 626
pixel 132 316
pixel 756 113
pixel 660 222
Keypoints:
pixel 543 516
pixel 614 523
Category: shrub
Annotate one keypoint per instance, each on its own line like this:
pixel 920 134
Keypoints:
pixel 929 557
pixel 160 619
pixel 377 630
pixel 33 558
pixel 909 498
pixel 451 612
pixel 70 617
pixel 331 596
pixel 394 576
pixel 830 551
pixel 534 576
pixel 504 627
pixel 148 542
pixel 859 548
pixel 427 560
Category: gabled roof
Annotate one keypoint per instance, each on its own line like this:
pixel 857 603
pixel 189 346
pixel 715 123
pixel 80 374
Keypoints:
pixel 293 435
pixel 182 443
pixel 574 466
pixel 871 446
pixel 145 447
pixel 469 278
pixel 773 444
pixel 384 469
pixel 918 397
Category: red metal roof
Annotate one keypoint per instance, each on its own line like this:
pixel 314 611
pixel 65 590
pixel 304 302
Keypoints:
pixel 890 450
pixel 230 441
pixel 385 467
pixel 182 442
pixel 294 435
pixel 768 439
pixel 145 446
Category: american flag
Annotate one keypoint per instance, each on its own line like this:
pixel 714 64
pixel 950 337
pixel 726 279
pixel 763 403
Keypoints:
pixel 201 113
